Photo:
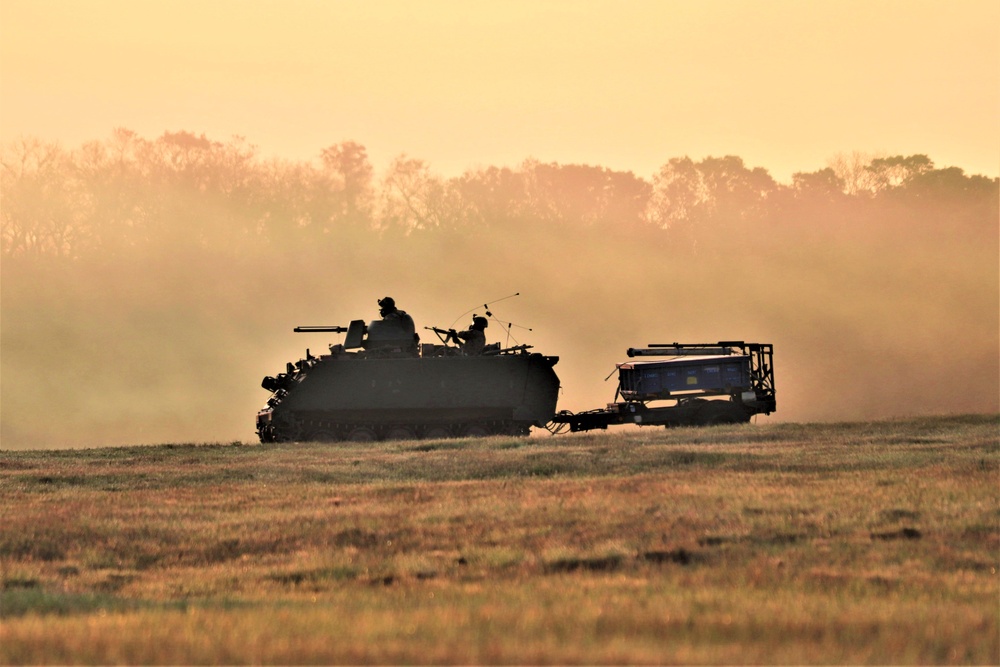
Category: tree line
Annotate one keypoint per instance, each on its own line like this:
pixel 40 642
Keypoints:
pixel 148 285
pixel 128 195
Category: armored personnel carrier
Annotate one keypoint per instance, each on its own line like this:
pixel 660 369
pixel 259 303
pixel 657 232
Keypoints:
pixel 381 383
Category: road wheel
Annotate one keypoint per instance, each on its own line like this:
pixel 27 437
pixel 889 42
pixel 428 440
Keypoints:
pixel 475 431
pixel 400 433
pixel 517 429
pixel 362 434
pixel 321 435
pixel 437 433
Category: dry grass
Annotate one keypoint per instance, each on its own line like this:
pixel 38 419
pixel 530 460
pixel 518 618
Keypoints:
pixel 787 543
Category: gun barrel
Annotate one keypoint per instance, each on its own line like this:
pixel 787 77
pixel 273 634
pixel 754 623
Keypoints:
pixel 319 329
pixel 677 350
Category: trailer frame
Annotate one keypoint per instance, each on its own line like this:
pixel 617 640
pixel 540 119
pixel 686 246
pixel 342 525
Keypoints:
pixel 729 404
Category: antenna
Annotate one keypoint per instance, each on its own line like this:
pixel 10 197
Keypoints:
pixel 508 326
pixel 486 306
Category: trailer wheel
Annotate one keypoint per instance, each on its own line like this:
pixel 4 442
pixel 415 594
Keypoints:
pixel 714 413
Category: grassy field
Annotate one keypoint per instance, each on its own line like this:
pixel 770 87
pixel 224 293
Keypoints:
pixel 786 543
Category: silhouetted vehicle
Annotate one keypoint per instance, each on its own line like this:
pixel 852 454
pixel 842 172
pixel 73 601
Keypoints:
pixel 382 384
pixel 709 383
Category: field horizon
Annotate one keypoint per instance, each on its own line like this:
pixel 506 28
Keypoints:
pixel 821 543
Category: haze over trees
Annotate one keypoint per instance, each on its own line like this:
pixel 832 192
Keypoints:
pixel 147 285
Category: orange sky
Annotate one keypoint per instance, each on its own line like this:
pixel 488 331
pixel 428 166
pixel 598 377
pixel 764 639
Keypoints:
pixel 786 85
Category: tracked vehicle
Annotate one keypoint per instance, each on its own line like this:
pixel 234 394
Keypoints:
pixel 381 383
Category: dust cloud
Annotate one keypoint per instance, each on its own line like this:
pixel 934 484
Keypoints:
pixel 148 286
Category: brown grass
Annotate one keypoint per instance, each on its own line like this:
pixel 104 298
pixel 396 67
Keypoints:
pixel 788 543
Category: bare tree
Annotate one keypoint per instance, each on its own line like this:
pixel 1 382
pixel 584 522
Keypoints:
pixel 349 177
pixel 411 198
pixel 38 211
pixel 852 169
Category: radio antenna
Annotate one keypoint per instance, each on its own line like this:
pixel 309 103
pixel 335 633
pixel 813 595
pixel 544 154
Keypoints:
pixel 486 306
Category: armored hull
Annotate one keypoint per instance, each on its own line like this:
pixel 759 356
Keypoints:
pixel 364 396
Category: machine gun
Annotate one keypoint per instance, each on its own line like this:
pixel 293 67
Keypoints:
pixel 452 336
pixel 446 335
pixel 355 333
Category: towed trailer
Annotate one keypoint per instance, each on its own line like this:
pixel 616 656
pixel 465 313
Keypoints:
pixel 707 383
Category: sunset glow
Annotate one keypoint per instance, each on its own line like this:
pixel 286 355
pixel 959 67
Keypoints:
pixel 784 84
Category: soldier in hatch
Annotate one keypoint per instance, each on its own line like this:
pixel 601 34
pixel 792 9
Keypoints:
pixel 474 338
pixel 398 324
pixel 400 318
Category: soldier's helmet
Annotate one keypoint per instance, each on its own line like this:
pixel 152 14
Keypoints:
pixel 386 305
pixel 479 323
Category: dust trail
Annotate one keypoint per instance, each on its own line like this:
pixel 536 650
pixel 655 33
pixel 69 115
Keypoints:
pixel 876 307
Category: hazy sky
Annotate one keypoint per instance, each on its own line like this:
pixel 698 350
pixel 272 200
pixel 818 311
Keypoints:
pixel 784 84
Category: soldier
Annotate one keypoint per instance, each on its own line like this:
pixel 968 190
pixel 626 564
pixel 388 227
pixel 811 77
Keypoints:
pixel 394 330
pixel 387 309
pixel 474 338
